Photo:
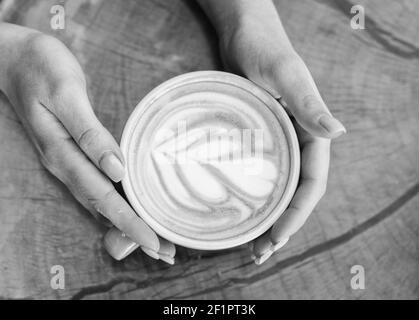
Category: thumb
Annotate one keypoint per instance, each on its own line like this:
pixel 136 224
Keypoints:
pixel 72 107
pixel 292 79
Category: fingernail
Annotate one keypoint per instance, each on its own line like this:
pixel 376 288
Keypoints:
pixel 150 252
pixel 264 257
pixel 118 245
pixel 130 250
pixel 166 258
pixel 112 166
pixel 279 244
pixel 332 125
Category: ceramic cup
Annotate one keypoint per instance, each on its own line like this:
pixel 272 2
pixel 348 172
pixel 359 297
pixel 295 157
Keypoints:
pixel 212 160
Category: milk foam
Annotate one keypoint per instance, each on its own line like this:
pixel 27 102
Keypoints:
pixel 205 188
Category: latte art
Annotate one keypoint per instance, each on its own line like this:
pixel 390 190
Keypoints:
pixel 209 158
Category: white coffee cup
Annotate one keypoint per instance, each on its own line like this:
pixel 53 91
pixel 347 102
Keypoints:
pixel 212 160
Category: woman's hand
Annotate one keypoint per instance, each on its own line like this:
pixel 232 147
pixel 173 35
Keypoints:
pixel 46 85
pixel 254 44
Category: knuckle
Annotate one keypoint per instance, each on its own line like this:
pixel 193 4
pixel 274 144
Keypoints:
pixel 37 42
pixel 291 63
pixel 100 204
pixel 113 210
pixel 52 58
pixel 51 162
pixel 49 155
pixel 312 103
pixel 317 187
pixel 63 90
pixel 110 195
pixel 292 69
pixel 88 138
pixel 48 163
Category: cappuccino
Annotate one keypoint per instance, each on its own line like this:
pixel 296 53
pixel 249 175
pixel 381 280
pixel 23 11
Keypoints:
pixel 212 160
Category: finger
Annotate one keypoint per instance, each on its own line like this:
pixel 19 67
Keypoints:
pixel 294 83
pixel 314 171
pixel 261 244
pixel 262 248
pixel 70 103
pixel 120 246
pixel 101 219
pixel 67 162
pixel 167 251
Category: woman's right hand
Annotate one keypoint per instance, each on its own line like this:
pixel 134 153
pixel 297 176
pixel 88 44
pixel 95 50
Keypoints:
pixel 46 86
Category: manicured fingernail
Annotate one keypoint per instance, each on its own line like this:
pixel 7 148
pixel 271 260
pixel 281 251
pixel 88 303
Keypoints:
pixel 150 253
pixel 264 257
pixel 280 244
pixel 130 250
pixel 112 166
pixel 166 258
pixel 118 245
pixel 332 125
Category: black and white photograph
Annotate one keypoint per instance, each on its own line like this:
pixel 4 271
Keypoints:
pixel 209 151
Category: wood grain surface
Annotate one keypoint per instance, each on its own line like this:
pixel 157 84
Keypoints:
pixel 369 216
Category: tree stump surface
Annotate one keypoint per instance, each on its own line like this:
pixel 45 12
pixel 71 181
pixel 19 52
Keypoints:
pixel 369 216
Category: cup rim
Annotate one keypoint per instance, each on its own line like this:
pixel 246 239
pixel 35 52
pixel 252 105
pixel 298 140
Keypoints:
pixel 290 134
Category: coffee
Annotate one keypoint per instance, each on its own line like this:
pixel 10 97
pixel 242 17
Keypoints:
pixel 212 160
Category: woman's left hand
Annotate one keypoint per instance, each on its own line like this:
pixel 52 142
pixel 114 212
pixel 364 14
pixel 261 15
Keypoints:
pixel 261 51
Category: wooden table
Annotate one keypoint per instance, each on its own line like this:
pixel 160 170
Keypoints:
pixel 369 217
